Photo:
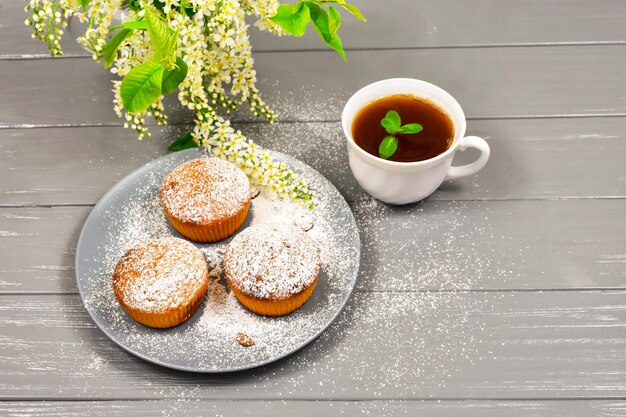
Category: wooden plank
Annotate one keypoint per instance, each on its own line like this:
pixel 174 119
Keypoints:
pixel 54 156
pixel 15 36
pixel 541 158
pixel 415 24
pixel 438 246
pixel 185 407
pixel 385 345
pixel 411 24
pixel 488 82
pixel 38 247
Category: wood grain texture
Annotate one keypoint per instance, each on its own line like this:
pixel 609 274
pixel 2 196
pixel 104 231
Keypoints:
pixel 102 156
pixel 441 246
pixel 531 159
pixel 448 23
pixel 488 82
pixel 384 346
pixel 193 407
pixel 434 328
pixel 415 25
pixel 38 247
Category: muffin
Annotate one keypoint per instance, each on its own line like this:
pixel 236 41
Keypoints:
pixel 162 282
pixel 272 269
pixel 206 199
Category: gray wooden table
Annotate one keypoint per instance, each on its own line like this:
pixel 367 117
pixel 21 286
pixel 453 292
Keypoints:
pixel 503 294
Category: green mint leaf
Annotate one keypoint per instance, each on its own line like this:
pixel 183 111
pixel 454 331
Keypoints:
pixel 141 87
pixel 294 18
pixel 184 142
pixel 109 50
pixel 84 4
pixel 391 122
pixel 334 20
pixel 354 11
pixel 322 24
pixel 411 128
pixel 173 77
pixel 388 147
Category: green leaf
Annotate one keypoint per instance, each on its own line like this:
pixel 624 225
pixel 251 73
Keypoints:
pixel 184 142
pixel 141 87
pixel 134 24
pixel 335 43
pixel 84 4
pixel 159 35
pixel 163 38
pixel 168 55
pixel 158 4
pixel 321 23
pixel 134 5
pixel 109 50
pixel 294 18
pixel 172 78
pixel 354 11
pixel 411 128
pixel 388 147
pixel 334 20
pixel 391 122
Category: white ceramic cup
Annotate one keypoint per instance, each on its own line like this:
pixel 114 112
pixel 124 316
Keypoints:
pixel 407 182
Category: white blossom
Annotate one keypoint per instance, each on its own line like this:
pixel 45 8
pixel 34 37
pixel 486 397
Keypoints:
pixel 213 41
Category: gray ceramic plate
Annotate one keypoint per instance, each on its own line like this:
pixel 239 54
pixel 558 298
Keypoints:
pixel 130 212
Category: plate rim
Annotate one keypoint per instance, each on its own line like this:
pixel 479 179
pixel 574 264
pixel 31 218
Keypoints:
pixel 113 191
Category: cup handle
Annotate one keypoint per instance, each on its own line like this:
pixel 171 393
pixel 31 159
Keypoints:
pixel 474 167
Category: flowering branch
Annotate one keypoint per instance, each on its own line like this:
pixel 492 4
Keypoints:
pixel 200 48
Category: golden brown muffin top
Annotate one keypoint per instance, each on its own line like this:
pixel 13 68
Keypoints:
pixel 272 261
pixel 159 274
pixel 205 190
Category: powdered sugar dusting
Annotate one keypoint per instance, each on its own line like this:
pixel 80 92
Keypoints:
pixel 159 274
pixel 205 189
pixel 208 340
pixel 272 261
pixel 421 265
